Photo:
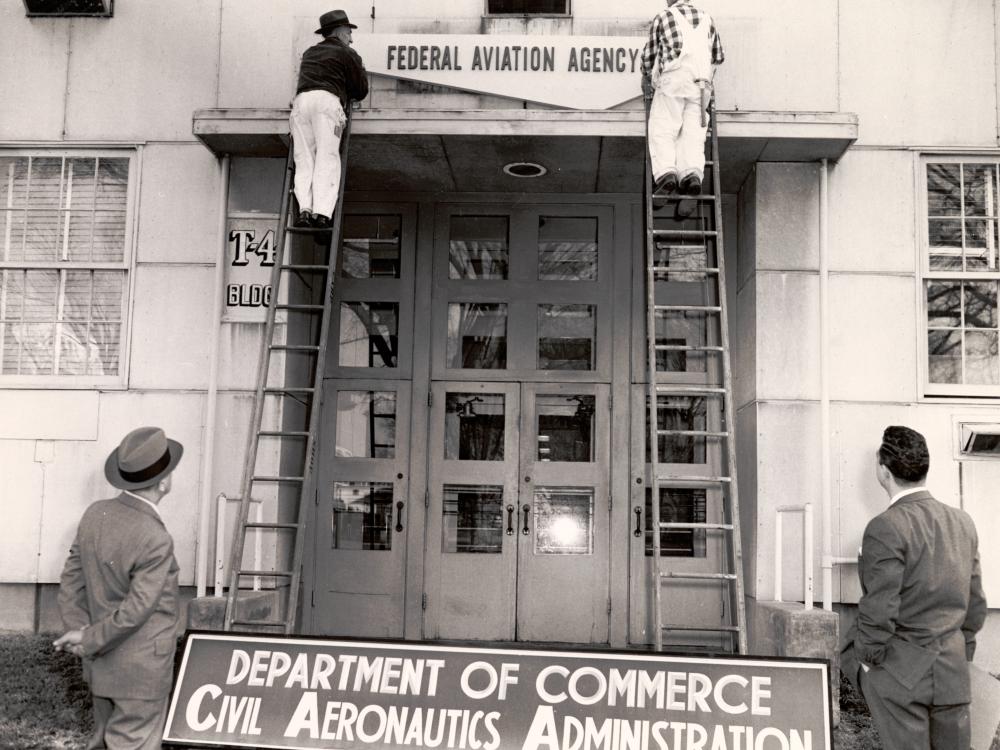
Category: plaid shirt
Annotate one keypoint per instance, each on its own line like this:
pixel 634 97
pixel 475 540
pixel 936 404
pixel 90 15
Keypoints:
pixel 665 39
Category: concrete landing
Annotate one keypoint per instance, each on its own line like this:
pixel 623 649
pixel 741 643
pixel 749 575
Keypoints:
pixel 209 612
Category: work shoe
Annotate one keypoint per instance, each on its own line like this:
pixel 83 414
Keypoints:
pixel 690 185
pixel 319 221
pixel 305 219
pixel 666 183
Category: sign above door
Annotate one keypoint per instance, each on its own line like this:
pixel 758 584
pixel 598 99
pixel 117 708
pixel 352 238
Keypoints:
pixel 576 72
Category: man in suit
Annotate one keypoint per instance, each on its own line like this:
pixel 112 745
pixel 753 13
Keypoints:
pixel 922 604
pixel 118 595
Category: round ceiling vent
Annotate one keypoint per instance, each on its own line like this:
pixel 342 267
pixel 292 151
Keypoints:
pixel 524 169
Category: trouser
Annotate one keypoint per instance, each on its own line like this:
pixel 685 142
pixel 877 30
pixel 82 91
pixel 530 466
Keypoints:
pixel 908 720
pixel 676 135
pixel 127 724
pixel 316 122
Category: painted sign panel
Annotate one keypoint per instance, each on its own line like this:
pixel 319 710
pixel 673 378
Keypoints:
pixel 576 72
pixel 248 691
pixel 250 256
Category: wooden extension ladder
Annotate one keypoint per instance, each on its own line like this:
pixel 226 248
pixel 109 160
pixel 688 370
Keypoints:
pixel 280 460
pixel 690 248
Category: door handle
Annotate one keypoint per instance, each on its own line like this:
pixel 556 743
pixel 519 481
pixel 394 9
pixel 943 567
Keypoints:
pixel 399 516
pixel 510 520
pixel 638 521
pixel 526 509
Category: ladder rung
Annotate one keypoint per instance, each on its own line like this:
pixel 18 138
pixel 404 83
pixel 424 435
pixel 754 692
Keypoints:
pixel 304 267
pixel 269 525
pixel 694 433
pixel 282 433
pixel 309 230
pixel 268 573
pixel 688 308
pixel 685 232
pixel 700 576
pixel 709 526
pixel 682 390
pixel 685 348
pixel 293 348
pixel 719 628
pixel 669 269
pixel 678 197
pixel 260 623
pixel 289 390
pixel 678 478
pixel 300 307
pixel 279 479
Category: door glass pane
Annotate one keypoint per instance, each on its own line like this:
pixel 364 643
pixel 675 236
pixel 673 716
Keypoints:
pixel 368 334
pixel 566 335
pixel 371 247
pixel 679 413
pixel 478 247
pixel 564 520
pixel 565 427
pixel 362 516
pixel 474 426
pixel 477 336
pixel 567 248
pixel 677 506
pixel 366 424
pixel 680 328
pixel 472 519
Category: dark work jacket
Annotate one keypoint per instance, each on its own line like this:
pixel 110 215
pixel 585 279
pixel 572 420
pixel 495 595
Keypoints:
pixel 922 598
pixel 333 66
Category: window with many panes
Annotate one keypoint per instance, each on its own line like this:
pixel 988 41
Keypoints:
pixel 64 254
pixel 961 276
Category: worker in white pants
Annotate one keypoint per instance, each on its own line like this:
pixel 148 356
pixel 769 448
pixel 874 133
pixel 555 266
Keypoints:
pixel 678 65
pixel 330 76
pixel 317 122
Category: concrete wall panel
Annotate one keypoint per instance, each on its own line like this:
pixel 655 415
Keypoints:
pixel 746 467
pixel 787 223
pixel 787 358
pixel 871 212
pixel 170 326
pixel 33 60
pixel 75 478
pixel 140 75
pixel 21 494
pixel 48 415
pixel 872 327
pixel 178 205
pixel 920 72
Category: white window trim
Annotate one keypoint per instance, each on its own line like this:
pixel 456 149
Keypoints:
pixel 942 391
pixel 79 382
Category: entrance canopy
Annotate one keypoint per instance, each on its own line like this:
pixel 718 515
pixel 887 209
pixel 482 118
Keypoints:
pixel 582 151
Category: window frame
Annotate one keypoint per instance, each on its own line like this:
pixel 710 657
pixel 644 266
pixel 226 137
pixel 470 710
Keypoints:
pixel 118 381
pixel 488 14
pixel 107 12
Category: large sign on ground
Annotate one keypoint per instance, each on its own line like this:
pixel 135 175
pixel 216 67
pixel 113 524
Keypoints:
pixel 247 691
pixel 576 72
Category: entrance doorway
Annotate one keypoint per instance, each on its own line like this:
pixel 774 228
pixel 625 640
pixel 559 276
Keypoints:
pixel 518 527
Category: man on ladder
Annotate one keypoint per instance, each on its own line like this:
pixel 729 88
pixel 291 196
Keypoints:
pixel 330 76
pixel 678 64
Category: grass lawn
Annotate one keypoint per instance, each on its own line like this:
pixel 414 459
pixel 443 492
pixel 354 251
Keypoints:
pixel 45 704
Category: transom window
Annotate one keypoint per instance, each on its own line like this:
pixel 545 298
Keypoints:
pixel 64 253
pixel 961 276
pixel 527 7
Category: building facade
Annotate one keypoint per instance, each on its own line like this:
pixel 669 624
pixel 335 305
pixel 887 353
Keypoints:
pixel 486 367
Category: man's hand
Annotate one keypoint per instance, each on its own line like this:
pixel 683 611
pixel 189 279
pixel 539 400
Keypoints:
pixel 71 641
pixel 647 87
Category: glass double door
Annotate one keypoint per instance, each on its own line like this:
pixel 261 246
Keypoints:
pixel 517 512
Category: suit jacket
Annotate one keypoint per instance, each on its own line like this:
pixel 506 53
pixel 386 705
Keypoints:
pixel 922 598
pixel 119 585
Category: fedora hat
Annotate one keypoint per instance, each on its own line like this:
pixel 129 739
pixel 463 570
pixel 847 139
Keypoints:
pixel 331 20
pixel 142 459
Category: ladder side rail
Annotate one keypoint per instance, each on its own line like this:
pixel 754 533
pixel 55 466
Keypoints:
pixel 309 484
pixel 250 458
pixel 651 395
pixel 736 549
